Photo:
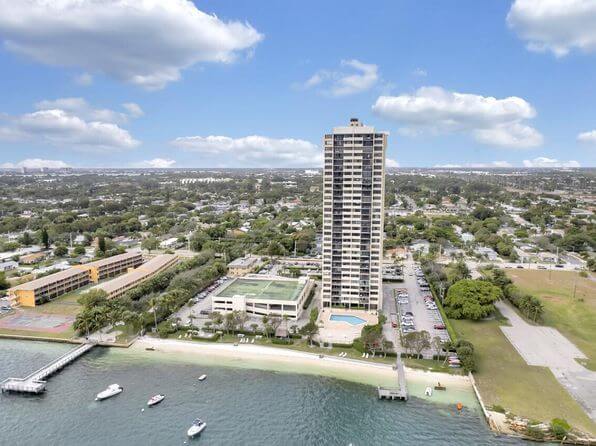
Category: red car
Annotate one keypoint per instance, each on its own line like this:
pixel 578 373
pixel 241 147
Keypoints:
pixel 439 327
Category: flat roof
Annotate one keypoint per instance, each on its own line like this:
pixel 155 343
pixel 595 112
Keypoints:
pixel 243 261
pixel 276 289
pixel 144 270
pixel 47 280
pixel 113 259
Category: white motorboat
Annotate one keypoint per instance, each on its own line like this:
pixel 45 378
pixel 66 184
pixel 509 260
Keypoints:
pixel 428 391
pixel 156 399
pixel 197 427
pixel 202 377
pixel 112 390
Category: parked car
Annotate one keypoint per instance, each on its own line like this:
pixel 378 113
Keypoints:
pixel 439 326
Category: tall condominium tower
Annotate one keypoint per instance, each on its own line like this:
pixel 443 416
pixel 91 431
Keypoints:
pixel 353 214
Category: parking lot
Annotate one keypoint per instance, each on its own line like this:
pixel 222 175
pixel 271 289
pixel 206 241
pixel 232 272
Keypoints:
pixel 413 306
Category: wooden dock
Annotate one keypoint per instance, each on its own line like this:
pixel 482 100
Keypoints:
pixel 396 393
pixel 35 382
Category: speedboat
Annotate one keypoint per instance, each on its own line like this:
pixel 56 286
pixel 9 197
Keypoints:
pixel 197 427
pixel 202 377
pixel 156 399
pixel 112 390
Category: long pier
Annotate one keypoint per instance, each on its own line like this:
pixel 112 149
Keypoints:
pixel 36 381
pixel 401 391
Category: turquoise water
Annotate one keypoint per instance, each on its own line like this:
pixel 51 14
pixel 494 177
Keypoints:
pixel 352 320
pixel 240 406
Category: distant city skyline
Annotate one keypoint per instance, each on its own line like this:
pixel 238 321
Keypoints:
pixel 254 84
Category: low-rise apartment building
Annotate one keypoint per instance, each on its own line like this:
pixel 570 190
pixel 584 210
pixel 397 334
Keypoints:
pixel 243 265
pixel 120 285
pixel 113 266
pixel 41 290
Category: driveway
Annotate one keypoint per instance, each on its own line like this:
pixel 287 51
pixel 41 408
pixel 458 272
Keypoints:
pixel 546 347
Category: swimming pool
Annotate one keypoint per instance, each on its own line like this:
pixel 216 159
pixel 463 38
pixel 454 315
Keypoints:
pixel 352 320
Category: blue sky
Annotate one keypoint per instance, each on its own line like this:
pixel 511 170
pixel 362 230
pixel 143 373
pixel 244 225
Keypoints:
pixel 464 83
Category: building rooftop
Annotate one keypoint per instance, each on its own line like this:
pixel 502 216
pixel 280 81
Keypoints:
pixel 116 258
pixel 243 262
pixel 139 273
pixel 46 280
pixel 264 288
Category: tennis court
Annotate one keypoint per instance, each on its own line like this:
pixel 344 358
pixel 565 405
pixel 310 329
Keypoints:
pixel 263 289
pixel 38 322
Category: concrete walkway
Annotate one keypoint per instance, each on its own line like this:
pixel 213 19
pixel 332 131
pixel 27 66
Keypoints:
pixel 546 347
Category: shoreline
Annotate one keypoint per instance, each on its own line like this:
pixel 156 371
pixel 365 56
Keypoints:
pixel 459 388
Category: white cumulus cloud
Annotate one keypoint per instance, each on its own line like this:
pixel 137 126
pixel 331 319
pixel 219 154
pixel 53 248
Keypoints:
pixel 492 121
pixel 36 163
pixel 253 150
pixel 389 162
pixel 558 26
pixel 545 162
pixel 81 108
pixel 143 42
pixel 70 123
pixel 587 137
pixel 354 77
pixel 156 163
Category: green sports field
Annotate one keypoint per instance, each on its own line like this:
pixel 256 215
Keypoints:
pixel 263 289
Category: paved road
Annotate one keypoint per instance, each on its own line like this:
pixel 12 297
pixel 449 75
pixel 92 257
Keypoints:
pixel 547 347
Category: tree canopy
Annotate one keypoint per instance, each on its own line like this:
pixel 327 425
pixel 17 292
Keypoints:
pixel 471 299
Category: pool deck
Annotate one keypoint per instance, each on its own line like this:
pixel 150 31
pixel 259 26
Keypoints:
pixel 342 332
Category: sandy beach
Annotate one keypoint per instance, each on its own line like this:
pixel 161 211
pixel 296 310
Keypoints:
pixel 459 388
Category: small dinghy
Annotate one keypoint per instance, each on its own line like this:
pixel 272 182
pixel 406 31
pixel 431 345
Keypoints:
pixel 156 399
pixel 202 377
pixel 197 427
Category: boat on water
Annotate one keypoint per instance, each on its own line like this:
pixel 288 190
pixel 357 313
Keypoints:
pixel 112 390
pixel 197 427
pixel 156 399
pixel 428 391
pixel 202 377
pixel 150 349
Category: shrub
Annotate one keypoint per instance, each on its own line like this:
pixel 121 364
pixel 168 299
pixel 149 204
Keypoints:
pixel 497 408
pixel 559 427
pixel 282 341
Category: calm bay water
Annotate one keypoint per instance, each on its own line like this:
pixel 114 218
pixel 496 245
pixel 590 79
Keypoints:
pixel 240 406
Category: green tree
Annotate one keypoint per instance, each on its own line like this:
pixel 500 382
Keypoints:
pixel 309 330
pixel 101 244
pixel 150 243
pixel 3 282
pixel 60 251
pixel 26 239
pixel 44 238
pixel 471 299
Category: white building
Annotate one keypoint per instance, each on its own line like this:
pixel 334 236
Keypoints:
pixel 353 213
pixel 169 243
pixel 263 295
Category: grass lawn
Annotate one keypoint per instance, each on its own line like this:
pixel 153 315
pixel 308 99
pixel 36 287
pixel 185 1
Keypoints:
pixel 504 378
pixel 431 366
pixel 574 318
pixel 66 304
